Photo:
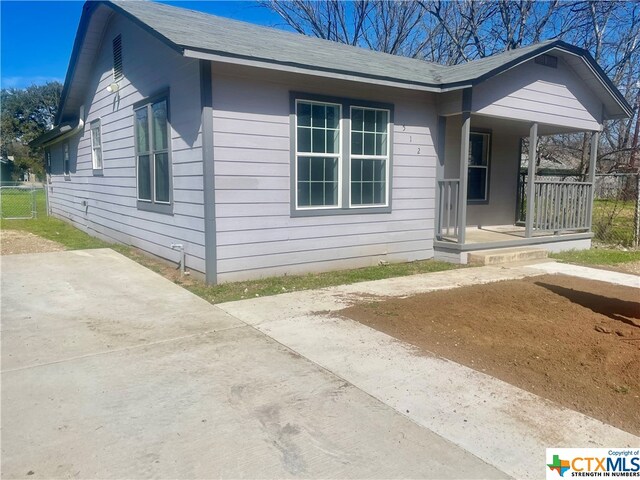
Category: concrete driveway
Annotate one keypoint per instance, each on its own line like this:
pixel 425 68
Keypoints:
pixel 111 371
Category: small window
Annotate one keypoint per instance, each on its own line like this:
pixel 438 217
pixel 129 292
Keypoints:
pixel 478 173
pixel 47 159
pixel 369 156
pixel 117 59
pixel 65 159
pixel 152 152
pixel 547 61
pixel 96 145
pixel 317 154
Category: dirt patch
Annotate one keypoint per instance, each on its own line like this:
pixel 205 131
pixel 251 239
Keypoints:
pixel 573 341
pixel 15 241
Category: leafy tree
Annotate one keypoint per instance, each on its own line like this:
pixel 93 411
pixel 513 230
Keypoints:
pixel 26 114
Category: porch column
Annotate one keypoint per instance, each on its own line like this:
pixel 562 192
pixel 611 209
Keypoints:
pixel 442 135
pixel 531 176
pixel 464 173
pixel 591 176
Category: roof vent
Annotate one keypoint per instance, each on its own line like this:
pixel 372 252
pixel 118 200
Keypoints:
pixel 117 59
pixel 547 61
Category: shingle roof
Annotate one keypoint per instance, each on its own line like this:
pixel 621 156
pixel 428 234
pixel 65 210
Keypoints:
pixel 191 30
pixel 202 35
pixel 469 71
pixel 188 29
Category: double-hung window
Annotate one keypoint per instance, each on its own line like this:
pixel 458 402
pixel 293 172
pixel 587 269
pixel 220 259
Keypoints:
pixel 478 168
pixel 152 152
pixel 369 156
pixel 96 146
pixel 341 155
pixel 317 154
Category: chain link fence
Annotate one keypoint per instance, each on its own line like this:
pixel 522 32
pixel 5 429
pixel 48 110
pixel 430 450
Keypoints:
pixel 21 200
pixel 616 206
pixel 616 209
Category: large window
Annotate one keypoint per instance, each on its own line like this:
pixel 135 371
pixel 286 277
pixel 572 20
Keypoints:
pixel 369 156
pixel 342 155
pixel 152 152
pixel 96 145
pixel 478 177
pixel 317 154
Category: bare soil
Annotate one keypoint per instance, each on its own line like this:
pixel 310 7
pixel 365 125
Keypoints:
pixel 15 241
pixel 573 341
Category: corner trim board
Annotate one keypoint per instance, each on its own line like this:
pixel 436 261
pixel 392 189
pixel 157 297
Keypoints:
pixel 208 169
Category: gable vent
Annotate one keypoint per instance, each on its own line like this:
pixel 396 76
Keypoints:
pixel 117 59
pixel 547 61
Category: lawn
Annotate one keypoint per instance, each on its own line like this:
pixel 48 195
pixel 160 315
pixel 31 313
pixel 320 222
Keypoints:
pixel 274 285
pixel 598 256
pixel 44 226
pixel 19 202
pixel 613 221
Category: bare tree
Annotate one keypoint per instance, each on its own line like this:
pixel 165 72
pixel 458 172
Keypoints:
pixel 458 31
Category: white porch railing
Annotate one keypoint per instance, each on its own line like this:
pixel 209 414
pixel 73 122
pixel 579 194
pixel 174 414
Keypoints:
pixel 448 195
pixel 561 206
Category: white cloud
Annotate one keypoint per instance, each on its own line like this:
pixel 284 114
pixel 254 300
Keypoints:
pixel 23 82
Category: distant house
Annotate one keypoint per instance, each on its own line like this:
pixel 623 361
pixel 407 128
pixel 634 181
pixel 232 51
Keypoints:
pixel 6 168
pixel 264 152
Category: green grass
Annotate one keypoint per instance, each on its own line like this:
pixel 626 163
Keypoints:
pixel 74 239
pixel 613 221
pixel 272 286
pixel 598 256
pixel 52 228
pixel 17 202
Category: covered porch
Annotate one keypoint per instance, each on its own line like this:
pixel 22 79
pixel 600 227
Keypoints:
pixel 488 194
pixel 483 192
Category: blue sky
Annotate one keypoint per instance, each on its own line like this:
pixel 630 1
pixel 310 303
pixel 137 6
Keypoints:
pixel 37 36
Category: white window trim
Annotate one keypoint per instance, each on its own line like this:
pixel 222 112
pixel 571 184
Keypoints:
pixel 487 151
pixel 338 155
pixel 96 125
pixel 371 157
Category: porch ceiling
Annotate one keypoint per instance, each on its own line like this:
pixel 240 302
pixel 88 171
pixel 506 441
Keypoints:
pixel 517 127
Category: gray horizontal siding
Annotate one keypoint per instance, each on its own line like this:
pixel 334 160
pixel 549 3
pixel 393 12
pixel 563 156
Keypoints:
pixel 256 235
pixel 248 237
pixel 542 94
pixel 112 213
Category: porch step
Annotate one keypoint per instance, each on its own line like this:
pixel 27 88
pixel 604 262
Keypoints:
pixel 506 255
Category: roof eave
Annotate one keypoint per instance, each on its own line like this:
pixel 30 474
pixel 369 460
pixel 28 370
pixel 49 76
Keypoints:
pixel 225 57
pixel 602 76
pixel 87 10
pixel 51 136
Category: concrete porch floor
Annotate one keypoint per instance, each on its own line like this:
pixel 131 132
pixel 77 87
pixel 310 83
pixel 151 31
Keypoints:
pixel 499 233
